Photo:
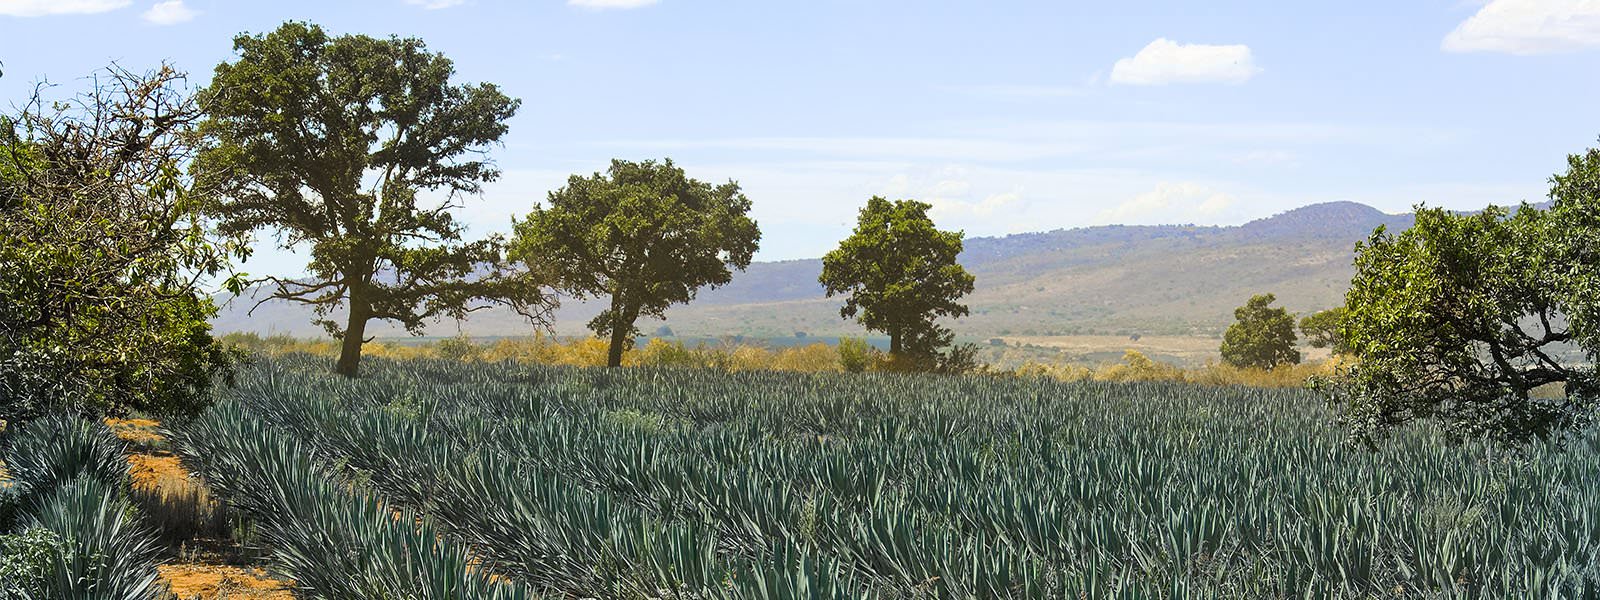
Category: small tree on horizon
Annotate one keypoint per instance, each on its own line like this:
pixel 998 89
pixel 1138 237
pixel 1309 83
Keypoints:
pixel 900 276
pixel 1322 329
pixel 643 234
pixel 1262 337
pixel 328 141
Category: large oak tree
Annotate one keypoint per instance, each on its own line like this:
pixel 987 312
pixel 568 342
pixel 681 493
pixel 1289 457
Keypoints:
pixel 900 274
pixel 643 234
pixel 328 142
pixel 1466 320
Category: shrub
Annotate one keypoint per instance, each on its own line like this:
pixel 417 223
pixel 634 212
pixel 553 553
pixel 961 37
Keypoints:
pixel 815 357
pixel 458 348
pixel 856 355
pixel 24 559
pixel 662 353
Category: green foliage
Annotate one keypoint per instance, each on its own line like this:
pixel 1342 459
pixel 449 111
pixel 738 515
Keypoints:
pixel 856 355
pixel 24 559
pixel 642 233
pixel 1468 320
pixel 102 248
pixel 1457 319
pixel 1263 337
pixel 900 274
pixel 629 483
pixel 458 348
pixel 328 141
pixel 1322 329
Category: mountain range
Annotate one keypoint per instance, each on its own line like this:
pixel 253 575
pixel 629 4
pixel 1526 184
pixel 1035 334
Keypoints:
pixel 1165 280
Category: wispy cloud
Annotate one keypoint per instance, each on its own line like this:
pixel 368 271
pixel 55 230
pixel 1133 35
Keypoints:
pixel 898 148
pixel 1170 203
pixel 40 8
pixel 169 12
pixel 1164 61
pixel 1528 27
pixel 1095 142
pixel 610 4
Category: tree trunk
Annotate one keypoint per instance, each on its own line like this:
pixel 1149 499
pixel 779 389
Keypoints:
pixel 355 333
pixel 894 342
pixel 621 325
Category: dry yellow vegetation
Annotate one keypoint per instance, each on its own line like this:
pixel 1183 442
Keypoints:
pixel 1135 366
pixel 811 358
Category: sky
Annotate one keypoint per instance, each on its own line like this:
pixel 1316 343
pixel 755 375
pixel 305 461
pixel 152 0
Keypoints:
pixel 1007 116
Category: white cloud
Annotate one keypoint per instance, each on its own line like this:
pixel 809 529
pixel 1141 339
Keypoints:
pixel 169 12
pixel 39 8
pixel 1165 61
pixel 983 208
pixel 436 4
pixel 1170 203
pixel 1528 27
pixel 609 4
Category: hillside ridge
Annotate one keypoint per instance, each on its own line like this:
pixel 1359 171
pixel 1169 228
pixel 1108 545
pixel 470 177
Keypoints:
pixel 1104 279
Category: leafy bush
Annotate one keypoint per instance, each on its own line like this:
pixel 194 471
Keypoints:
pixel 457 348
pixel 24 559
pixel 856 355
pixel 102 243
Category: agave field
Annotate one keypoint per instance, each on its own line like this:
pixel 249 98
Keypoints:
pixel 452 480
pixel 79 535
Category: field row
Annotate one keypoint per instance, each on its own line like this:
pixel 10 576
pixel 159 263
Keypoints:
pixel 575 482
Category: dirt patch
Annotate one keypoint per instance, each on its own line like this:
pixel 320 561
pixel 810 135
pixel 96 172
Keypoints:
pixel 157 472
pixel 139 432
pixel 188 581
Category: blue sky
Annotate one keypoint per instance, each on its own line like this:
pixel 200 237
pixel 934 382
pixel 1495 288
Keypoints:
pixel 1007 116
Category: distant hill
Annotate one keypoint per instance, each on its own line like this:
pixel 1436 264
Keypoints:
pixel 1120 280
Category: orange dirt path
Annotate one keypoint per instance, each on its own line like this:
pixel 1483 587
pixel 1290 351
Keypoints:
pixel 188 581
pixel 163 473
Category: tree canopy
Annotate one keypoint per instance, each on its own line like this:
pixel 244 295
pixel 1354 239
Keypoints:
pixel 1322 329
pixel 104 252
pixel 642 233
pixel 900 275
pixel 1471 320
pixel 329 142
pixel 1261 336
